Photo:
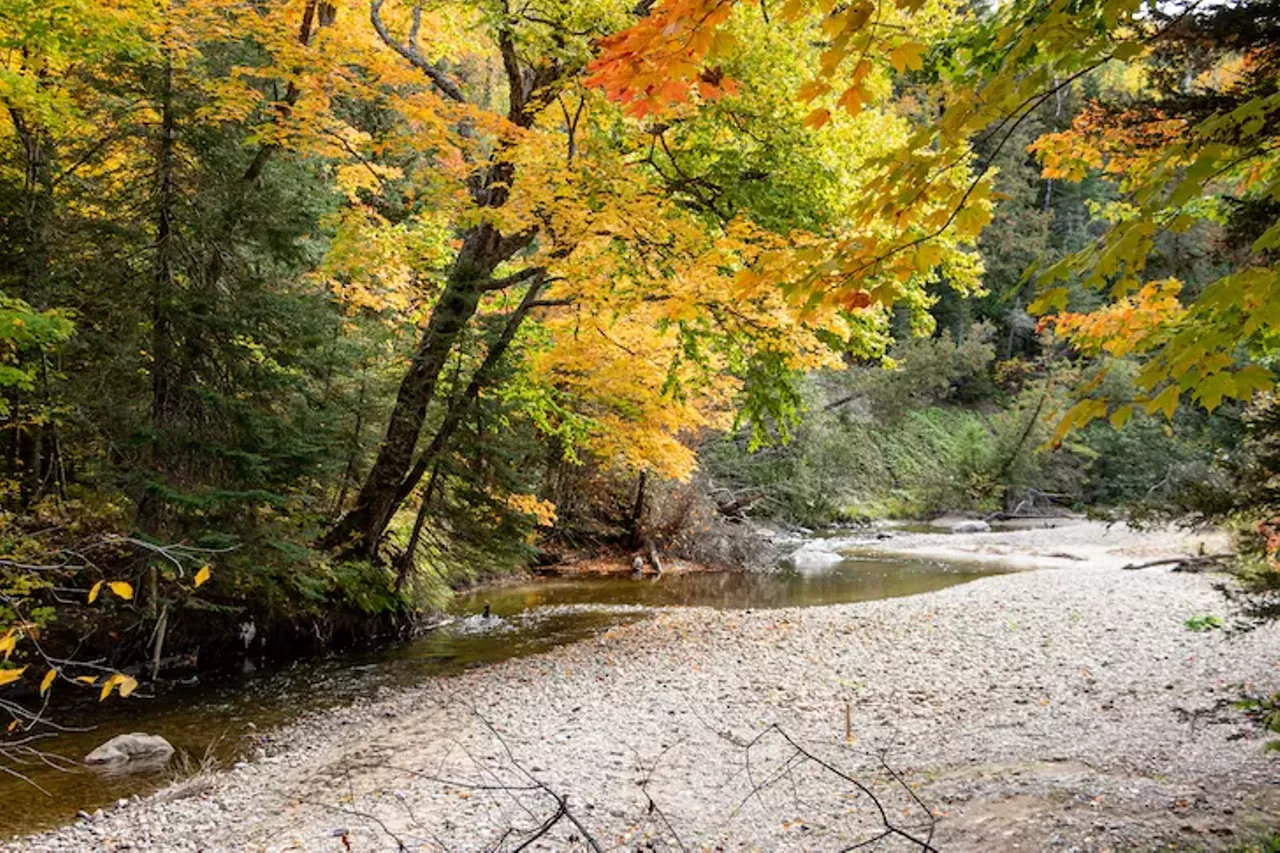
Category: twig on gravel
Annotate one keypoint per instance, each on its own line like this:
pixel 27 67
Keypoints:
pixel 653 807
pixel 562 801
pixel 800 755
pixel 498 785
pixel 356 813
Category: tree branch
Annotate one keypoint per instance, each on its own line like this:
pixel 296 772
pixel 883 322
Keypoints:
pixel 409 50
pixel 513 279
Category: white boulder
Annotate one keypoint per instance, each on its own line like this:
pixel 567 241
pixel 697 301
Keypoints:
pixel 131 747
pixel 815 556
pixel 971 527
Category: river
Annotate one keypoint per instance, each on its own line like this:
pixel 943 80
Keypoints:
pixel 220 720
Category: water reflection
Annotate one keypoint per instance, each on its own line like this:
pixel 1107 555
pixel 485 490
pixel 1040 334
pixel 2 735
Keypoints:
pixel 851 580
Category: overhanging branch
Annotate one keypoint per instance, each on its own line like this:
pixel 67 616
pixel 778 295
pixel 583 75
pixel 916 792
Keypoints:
pixel 410 51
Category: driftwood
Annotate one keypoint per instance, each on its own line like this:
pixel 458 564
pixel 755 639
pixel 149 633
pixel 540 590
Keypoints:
pixel 738 506
pixel 1033 503
pixel 1201 563
pixel 654 559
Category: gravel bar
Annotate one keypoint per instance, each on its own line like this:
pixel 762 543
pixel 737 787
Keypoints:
pixel 1066 708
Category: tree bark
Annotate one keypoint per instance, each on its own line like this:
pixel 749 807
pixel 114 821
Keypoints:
pixel 163 362
pixel 409 558
pixel 637 510
pixel 479 380
pixel 362 528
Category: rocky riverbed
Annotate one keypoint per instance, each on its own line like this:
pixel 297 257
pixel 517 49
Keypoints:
pixel 1063 708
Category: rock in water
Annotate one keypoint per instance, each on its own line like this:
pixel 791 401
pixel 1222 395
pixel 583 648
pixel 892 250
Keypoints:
pixel 131 747
pixel 815 557
pixel 971 527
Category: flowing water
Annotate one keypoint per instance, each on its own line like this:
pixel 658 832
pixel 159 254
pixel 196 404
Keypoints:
pixel 219 720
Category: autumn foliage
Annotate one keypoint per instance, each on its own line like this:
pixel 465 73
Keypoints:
pixel 347 283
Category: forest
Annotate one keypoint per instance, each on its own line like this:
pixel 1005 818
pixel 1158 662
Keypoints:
pixel 316 314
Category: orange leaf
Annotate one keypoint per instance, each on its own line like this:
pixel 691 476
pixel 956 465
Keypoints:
pixel 817 118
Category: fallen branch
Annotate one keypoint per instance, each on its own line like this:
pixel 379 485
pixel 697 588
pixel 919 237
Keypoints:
pixel 1185 564
pixel 543 816
pixel 736 507
pixel 801 755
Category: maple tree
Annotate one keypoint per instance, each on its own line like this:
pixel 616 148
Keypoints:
pixel 646 252
pixel 1173 157
pixel 1195 147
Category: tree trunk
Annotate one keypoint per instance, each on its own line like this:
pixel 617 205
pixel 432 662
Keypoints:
pixel 163 362
pixel 637 510
pixel 453 417
pixel 409 558
pixel 483 249
pixel 37 217
pixel 362 528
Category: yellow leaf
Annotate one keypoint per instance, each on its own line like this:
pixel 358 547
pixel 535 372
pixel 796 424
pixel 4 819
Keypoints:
pixel 1121 416
pixel 109 685
pixel 853 99
pixel 127 685
pixel 87 679
pixel 857 17
pixel 723 43
pixel 122 589
pixel 48 681
pixel 1054 298
pixel 1129 50
pixel 1251 378
pixel 1078 416
pixel 971 219
pixel 812 89
pixel 907 56
pixel 928 256
pixel 202 576
pixel 12 725
pixel 8 676
pixel 7 643
pixel 792 10
pixel 93 592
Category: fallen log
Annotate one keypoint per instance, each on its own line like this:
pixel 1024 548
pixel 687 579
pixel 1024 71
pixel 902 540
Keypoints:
pixel 1185 564
pixel 736 507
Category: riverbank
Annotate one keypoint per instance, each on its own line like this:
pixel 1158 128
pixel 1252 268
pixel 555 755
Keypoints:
pixel 1058 543
pixel 1066 708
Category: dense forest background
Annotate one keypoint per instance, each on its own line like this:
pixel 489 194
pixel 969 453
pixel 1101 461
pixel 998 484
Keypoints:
pixel 350 304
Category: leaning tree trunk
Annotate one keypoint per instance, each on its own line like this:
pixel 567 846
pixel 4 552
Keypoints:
pixel 483 249
pixel 361 530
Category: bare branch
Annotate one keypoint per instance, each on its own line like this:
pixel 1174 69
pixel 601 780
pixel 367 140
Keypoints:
pixel 410 51
pixel 513 279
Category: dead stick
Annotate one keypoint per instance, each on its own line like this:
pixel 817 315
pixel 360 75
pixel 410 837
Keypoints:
pixel 1190 561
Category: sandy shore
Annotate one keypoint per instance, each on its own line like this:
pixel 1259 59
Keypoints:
pixel 1061 709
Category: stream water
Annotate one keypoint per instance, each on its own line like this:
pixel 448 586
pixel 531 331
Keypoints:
pixel 528 618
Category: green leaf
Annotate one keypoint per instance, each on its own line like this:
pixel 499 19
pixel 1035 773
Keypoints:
pixel 1213 388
